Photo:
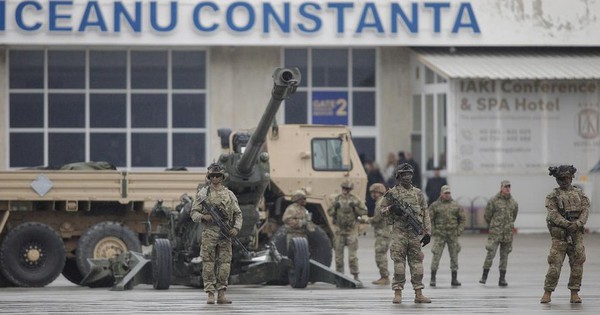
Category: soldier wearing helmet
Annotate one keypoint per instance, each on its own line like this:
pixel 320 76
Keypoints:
pixel 568 209
pixel 382 235
pixel 406 245
pixel 346 212
pixel 296 217
pixel 215 247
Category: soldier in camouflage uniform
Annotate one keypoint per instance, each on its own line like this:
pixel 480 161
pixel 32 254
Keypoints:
pixel 448 223
pixel 296 218
pixel 568 209
pixel 346 212
pixel 382 235
pixel 500 215
pixel 216 249
pixel 406 244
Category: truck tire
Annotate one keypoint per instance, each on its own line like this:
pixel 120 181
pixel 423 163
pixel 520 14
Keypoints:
pixel 32 255
pixel 299 272
pixel 71 271
pixel 162 264
pixel 105 240
pixel 319 244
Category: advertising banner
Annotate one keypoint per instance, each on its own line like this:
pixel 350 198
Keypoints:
pixel 330 108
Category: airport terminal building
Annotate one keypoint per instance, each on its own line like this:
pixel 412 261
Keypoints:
pixel 485 90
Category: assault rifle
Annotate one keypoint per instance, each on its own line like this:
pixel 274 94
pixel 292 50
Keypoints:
pixel 402 208
pixel 224 227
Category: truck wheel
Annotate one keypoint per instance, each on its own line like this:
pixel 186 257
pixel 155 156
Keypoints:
pixel 4 282
pixel 71 271
pixel 32 255
pixel 162 263
pixel 319 244
pixel 299 272
pixel 105 240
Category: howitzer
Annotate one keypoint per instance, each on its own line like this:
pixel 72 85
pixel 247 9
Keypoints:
pixel 224 227
pixel 402 208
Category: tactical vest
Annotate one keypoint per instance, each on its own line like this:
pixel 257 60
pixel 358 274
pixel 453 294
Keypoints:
pixel 568 203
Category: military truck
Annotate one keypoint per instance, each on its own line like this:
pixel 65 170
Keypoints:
pixel 55 221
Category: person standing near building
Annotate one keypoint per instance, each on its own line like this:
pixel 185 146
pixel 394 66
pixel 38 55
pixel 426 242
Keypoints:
pixel 382 235
pixel 296 217
pixel 433 186
pixel 346 212
pixel 406 240
pixel 500 215
pixel 568 209
pixel 216 245
pixel 448 223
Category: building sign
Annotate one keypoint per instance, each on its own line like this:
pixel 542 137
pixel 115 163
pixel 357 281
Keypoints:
pixel 525 126
pixel 330 108
pixel 315 23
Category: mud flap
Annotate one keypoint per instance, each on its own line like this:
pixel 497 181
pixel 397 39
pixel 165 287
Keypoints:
pixel 322 273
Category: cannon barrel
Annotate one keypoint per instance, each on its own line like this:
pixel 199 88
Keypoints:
pixel 285 80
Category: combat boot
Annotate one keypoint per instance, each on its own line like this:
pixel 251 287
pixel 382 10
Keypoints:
pixel 432 281
pixel 455 282
pixel 397 297
pixel 575 296
pixel 420 298
pixel 211 298
pixel 484 276
pixel 546 298
pixel 502 280
pixel 382 281
pixel 356 277
pixel 221 299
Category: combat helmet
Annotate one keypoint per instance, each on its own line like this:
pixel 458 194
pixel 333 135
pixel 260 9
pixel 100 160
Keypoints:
pixel 215 169
pixel 347 184
pixel 403 168
pixel 377 187
pixel 562 171
pixel 298 194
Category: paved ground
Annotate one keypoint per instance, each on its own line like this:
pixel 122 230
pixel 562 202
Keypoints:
pixel 527 267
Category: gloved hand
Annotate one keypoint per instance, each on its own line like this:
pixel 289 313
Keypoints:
pixel 207 218
pixel 337 205
pixel 573 227
pixel 233 232
pixel 196 216
pixel 425 240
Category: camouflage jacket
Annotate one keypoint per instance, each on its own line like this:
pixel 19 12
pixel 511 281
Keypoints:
pixel 378 221
pixel 413 196
pixel 295 216
pixel 222 200
pixel 563 205
pixel 350 208
pixel 500 215
pixel 447 218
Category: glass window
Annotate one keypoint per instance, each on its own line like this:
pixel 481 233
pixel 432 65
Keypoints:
pixel 189 111
pixel 109 147
pixel 66 69
pixel 149 110
pixel 365 146
pixel 26 110
pixel 364 108
pixel 66 110
pixel 330 67
pixel 327 154
pixel 189 69
pixel 295 109
pixel 416 113
pixel 429 76
pixel 363 67
pixel 298 58
pixel 108 110
pixel 149 69
pixel 26 69
pixel 64 148
pixel 188 149
pixel 26 149
pixel 148 149
pixel 108 69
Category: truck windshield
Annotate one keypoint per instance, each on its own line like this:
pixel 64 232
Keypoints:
pixel 327 155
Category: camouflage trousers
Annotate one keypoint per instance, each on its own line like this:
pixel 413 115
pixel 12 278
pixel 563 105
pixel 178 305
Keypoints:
pixel 492 247
pixel 439 242
pixel 382 245
pixel 407 248
pixel 556 257
pixel 216 262
pixel 343 239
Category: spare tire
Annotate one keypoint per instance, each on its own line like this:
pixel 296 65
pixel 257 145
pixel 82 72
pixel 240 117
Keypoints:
pixel 162 264
pixel 299 272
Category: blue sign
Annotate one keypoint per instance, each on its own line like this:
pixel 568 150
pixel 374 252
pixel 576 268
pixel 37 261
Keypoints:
pixel 330 108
